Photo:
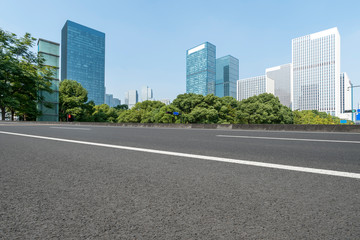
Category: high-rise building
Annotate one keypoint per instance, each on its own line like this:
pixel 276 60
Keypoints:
pixel 201 69
pixel 117 102
pixel 316 72
pixel 227 73
pixel 83 59
pixel 146 93
pixel 50 52
pixel 249 87
pixel 131 98
pixel 109 100
pixel 282 76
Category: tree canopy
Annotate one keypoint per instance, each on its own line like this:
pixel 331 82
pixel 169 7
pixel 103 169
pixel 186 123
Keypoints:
pixel 22 75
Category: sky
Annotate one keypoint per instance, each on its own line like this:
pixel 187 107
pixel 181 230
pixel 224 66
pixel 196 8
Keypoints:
pixel 146 41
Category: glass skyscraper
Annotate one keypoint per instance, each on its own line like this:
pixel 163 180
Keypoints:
pixel 201 69
pixel 83 59
pixel 227 73
pixel 50 52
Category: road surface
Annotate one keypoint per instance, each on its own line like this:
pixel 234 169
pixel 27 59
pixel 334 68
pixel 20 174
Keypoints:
pixel 97 182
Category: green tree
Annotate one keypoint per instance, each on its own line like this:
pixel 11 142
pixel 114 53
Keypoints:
pixel 22 75
pixel 122 107
pixel 142 112
pixel 72 99
pixel 314 117
pixel 263 109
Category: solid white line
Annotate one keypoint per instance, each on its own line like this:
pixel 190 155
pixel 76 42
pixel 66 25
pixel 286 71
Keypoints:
pixel 290 139
pixel 209 158
pixel 72 128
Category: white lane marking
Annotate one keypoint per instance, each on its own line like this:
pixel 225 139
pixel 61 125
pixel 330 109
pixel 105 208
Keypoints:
pixel 209 158
pixel 72 128
pixel 290 139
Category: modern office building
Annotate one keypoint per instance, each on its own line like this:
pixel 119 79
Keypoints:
pixel 201 69
pixel 131 98
pixel 282 76
pixel 50 52
pixel 316 72
pixel 117 102
pixel 146 93
pixel 345 96
pixel 109 100
pixel 83 59
pixel 249 87
pixel 227 73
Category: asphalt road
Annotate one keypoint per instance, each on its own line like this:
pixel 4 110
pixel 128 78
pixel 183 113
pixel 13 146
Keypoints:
pixel 95 188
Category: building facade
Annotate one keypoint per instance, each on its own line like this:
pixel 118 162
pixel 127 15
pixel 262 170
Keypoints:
pixel 83 59
pixel 201 69
pixel 131 98
pixel 249 87
pixel 345 96
pixel 316 72
pixel 146 93
pixel 109 100
pixel 227 73
pixel 117 102
pixel 49 51
pixel 282 76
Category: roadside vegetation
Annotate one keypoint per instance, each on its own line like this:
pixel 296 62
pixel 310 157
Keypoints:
pixel 22 75
pixel 188 108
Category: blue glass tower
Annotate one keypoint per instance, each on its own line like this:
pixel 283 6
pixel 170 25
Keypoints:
pixel 201 69
pixel 227 73
pixel 83 59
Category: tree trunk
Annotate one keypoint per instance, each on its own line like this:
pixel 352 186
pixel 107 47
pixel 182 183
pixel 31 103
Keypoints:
pixel 24 117
pixel 12 115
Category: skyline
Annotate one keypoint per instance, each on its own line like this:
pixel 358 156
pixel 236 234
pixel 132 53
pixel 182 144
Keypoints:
pixel 149 47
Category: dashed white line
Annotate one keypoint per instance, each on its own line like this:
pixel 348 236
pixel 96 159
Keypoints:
pixel 209 158
pixel 289 139
pixel 72 128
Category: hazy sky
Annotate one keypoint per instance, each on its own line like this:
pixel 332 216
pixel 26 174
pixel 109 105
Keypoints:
pixel 146 41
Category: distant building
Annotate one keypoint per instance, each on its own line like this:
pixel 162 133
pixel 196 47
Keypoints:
pixel 227 73
pixel 249 87
pixel 165 101
pixel 146 93
pixel 345 96
pixel 282 76
pixel 109 100
pixel 201 69
pixel 131 98
pixel 316 72
pixel 83 59
pixel 50 52
pixel 117 102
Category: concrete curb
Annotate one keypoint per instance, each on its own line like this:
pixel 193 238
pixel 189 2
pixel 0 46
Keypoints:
pixel 265 127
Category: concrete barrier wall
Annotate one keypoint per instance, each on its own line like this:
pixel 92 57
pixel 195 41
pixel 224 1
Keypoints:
pixel 265 127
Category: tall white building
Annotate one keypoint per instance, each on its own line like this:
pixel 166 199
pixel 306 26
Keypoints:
pixel 146 93
pixel 316 72
pixel 131 98
pixel 282 76
pixel 249 87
